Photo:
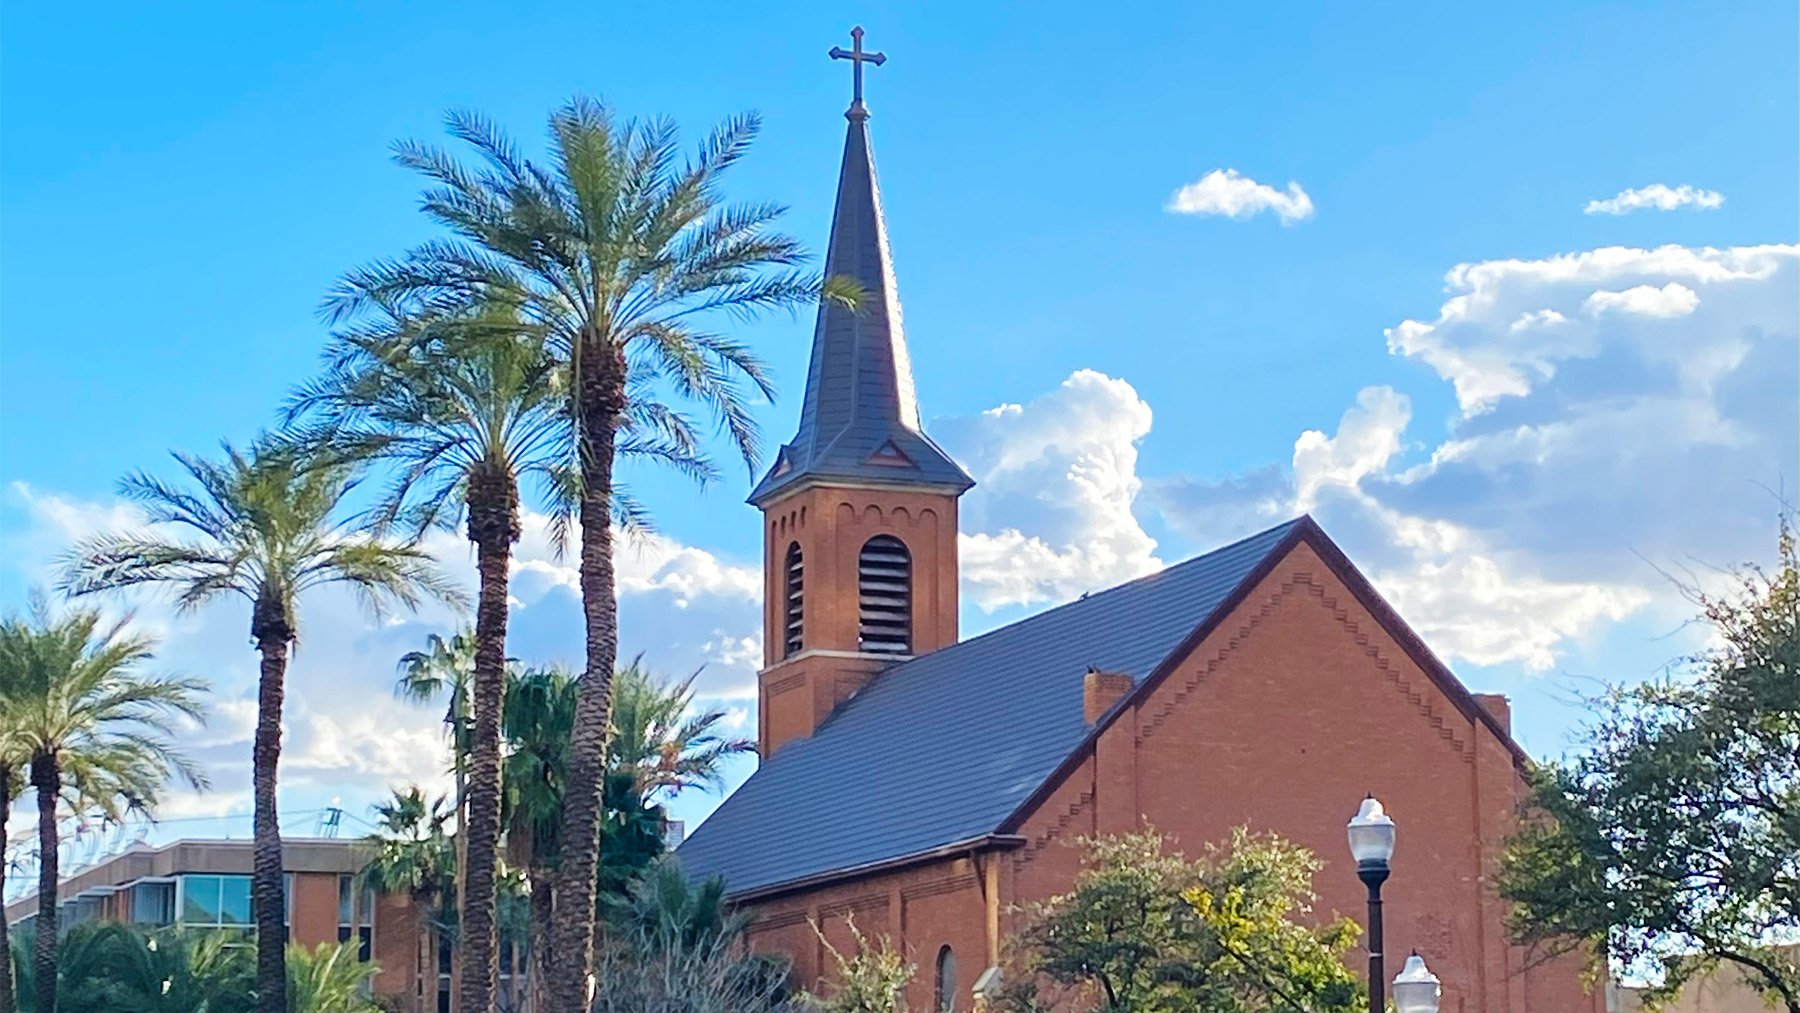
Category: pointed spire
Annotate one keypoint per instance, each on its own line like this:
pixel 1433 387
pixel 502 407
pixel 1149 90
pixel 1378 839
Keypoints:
pixel 859 421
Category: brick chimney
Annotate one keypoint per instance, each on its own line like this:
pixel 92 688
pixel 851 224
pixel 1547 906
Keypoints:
pixel 1100 690
pixel 1498 708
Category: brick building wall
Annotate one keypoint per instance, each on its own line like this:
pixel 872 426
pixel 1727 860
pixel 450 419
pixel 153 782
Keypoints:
pixel 1296 704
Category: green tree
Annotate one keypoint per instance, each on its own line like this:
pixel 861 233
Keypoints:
pixel 414 856
pixel 463 406
pixel 872 978
pixel 80 710
pixel 269 526
pixel 1146 930
pixel 446 668
pixel 1671 844
pixel 625 258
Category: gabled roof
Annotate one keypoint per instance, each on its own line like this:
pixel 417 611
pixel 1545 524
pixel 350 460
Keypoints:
pixel 947 747
pixel 859 420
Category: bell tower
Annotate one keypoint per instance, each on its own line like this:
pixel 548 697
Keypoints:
pixel 859 508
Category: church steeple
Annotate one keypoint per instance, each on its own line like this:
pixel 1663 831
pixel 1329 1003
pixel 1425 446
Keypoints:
pixel 859 420
pixel 859 508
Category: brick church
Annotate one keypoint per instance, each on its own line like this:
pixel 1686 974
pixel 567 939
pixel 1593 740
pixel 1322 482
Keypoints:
pixel 927 785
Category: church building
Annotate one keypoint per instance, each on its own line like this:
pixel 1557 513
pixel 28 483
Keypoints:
pixel 928 786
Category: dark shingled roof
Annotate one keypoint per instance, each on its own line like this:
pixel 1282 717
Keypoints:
pixel 860 418
pixel 943 748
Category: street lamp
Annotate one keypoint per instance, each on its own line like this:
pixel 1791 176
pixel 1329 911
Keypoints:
pixel 1415 987
pixel 1371 833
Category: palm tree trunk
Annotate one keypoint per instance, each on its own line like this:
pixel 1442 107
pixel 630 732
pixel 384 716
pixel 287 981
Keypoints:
pixel 425 958
pixel 273 634
pixel 537 972
pixel 600 405
pixel 46 778
pixel 493 526
pixel 8 1004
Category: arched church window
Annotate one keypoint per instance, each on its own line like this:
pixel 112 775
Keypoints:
pixel 884 596
pixel 793 611
pixel 946 981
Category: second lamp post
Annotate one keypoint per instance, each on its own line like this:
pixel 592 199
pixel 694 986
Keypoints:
pixel 1372 844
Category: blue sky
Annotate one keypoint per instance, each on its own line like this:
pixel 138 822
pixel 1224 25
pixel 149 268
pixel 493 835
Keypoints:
pixel 179 185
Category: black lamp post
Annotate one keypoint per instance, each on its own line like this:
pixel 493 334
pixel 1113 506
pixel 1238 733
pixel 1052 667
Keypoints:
pixel 1371 833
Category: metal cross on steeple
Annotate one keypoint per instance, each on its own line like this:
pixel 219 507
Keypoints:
pixel 857 58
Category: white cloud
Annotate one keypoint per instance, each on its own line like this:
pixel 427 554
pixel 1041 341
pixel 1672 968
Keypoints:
pixel 1051 513
pixel 1672 300
pixel 1474 343
pixel 1619 408
pixel 1657 196
pixel 1235 195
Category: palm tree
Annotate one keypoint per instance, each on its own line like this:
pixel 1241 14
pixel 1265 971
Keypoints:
pixel 267 525
pixel 12 785
pixel 414 856
pixel 619 256
pixel 463 406
pixel 540 714
pixel 446 668
pixel 78 707
pixel 664 740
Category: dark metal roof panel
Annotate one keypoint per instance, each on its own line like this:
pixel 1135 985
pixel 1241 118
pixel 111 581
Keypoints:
pixel 944 747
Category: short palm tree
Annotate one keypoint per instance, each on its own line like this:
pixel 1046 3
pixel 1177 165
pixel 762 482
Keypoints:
pixel 79 707
pixel 623 259
pixel 540 714
pixel 12 785
pixel 463 406
pixel 414 856
pixel 662 738
pixel 269 526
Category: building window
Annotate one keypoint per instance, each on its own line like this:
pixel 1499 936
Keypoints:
pixel 793 616
pixel 356 915
pixel 153 903
pixel 946 981
pixel 216 902
pixel 884 596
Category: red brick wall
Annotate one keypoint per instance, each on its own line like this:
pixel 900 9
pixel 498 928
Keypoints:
pixel 919 910
pixel 831 524
pixel 1295 706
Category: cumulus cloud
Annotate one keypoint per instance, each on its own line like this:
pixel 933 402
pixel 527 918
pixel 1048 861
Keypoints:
pixel 1672 300
pixel 1051 514
pixel 1232 194
pixel 1657 197
pixel 1616 406
pixel 1666 292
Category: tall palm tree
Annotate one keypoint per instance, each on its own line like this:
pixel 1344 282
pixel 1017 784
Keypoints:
pixel 414 856
pixel 463 406
pixel 79 707
pixel 268 526
pixel 624 259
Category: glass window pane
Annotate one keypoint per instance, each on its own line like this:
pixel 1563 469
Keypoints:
pixel 153 903
pixel 346 901
pixel 234 900
pixel 200 900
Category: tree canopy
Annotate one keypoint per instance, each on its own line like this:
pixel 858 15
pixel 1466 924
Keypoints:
pixel 1671 844
pixel 1147 930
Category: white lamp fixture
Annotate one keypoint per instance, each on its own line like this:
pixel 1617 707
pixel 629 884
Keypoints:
pixel 1371 834
pixel 1415 987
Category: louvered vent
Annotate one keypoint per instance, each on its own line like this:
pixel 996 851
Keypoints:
pixel 884 594
pixel 793 614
